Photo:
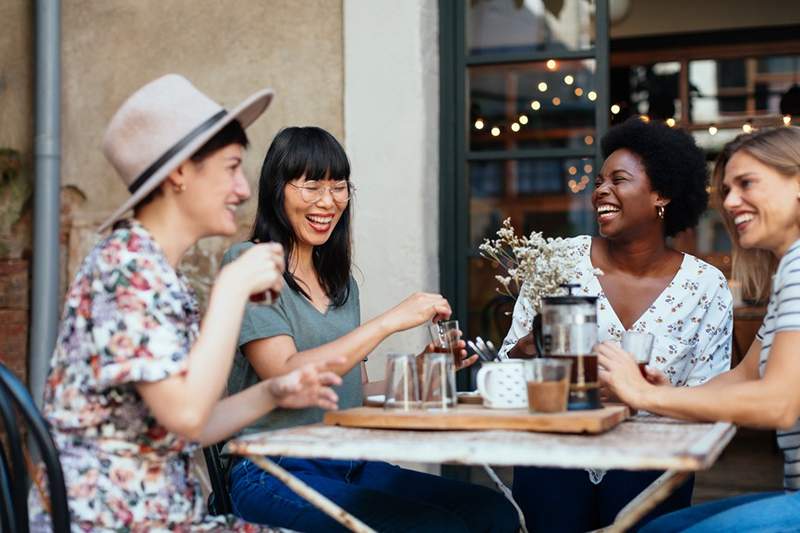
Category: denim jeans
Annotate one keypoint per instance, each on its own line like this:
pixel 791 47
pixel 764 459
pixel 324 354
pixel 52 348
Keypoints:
pixel 767 512
pixel 383 496
pixel 565 500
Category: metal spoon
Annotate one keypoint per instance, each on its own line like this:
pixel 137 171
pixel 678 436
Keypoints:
pixel 493 350
pixel 481 354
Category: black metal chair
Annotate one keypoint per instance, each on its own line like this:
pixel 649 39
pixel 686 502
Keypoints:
pixel 14 479
pixel 219 501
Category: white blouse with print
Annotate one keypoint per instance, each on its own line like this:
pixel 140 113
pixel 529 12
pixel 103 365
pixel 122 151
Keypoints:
pixel 692 319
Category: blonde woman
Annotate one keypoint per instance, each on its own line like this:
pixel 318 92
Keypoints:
pixel 135 381
pixel 757 179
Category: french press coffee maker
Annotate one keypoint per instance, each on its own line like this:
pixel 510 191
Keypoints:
pixel 569 330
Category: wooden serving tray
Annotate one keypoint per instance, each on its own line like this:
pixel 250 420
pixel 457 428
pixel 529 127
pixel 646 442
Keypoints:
pixel 472 417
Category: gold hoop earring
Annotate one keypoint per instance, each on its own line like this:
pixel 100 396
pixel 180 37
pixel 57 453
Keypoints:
pixel 179 187
pixel 660 211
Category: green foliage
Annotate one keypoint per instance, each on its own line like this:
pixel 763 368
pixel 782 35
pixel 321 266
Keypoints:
pixel 15 190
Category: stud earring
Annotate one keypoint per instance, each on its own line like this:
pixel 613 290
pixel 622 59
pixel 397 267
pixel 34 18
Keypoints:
pixel 179 187
pixel 660 211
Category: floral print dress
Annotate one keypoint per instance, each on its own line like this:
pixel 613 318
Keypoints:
pixel 692 318
pixel 129 317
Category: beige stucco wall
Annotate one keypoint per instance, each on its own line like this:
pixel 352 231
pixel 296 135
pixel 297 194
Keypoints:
pixel 228 48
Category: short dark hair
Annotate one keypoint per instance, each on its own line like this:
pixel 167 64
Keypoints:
pixel 675 165
pixel 315 153
pixel 232 133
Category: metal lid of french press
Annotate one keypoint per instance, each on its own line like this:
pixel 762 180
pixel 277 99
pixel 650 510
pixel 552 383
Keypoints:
pixel 569 298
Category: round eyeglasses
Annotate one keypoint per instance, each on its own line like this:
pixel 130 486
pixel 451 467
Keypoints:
pixel 311 192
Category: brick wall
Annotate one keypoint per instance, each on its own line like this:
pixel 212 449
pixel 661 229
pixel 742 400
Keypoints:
pixel 14 305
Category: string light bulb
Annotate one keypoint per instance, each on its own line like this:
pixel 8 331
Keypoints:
pixel 670 122
pixel 644 118
pixel 615 109
pixel 495 131
pixel 551 64
pixel 536 105
pixel 747 127
pixel 542 86
pixel 592 96
pixel 523 119
pixel 515 127
pixel 556 101
pixel 568 79
pixel 712 130
pixel 787 120
pixel 479 124
pixel 578 91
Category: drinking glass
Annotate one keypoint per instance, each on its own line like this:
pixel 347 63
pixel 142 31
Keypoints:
pixel 439 383
pixel 445 336
pixel 548 384
pixel 402 384
pixel 640 345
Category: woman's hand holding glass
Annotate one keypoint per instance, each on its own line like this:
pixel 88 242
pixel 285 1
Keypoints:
pixel 258 270
pixel 619 372
pixel 415 310
pixel 307 386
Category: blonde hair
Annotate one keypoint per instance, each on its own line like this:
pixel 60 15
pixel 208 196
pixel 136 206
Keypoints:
pixel 778 148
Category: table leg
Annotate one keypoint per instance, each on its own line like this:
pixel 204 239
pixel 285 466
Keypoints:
pixel 655 493
pixel 315 498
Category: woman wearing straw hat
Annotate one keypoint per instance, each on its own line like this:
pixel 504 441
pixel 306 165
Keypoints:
pixel 135 381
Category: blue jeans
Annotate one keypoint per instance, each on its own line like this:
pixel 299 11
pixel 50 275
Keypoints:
pixel 383 496
pixel 565 500
pixel 767 512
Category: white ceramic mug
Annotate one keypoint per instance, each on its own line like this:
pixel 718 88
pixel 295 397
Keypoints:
pixel 502 385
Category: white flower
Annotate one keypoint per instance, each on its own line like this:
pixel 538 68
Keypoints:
pixel 537 267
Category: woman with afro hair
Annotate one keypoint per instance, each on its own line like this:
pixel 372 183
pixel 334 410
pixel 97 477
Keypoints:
pixel 652 185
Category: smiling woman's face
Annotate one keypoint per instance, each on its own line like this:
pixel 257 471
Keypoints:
pixel 762 203
pixel 312 222
pixel 623 198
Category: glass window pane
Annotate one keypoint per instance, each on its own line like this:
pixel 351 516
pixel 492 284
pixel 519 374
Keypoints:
pixel 651 90
pixel 497 26
pixel 532 105
pixel 548 195
pixel 736 89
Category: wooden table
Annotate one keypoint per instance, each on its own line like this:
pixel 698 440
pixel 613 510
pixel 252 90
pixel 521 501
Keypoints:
pixel 642 443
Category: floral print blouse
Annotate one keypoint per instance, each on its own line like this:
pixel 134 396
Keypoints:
pixel 129 317
pixel 692 319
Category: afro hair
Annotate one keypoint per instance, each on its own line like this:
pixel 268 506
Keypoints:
pixel 673 162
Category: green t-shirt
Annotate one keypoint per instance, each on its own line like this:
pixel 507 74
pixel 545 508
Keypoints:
pixel 295 316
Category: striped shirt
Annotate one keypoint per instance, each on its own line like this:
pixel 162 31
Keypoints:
pixel 783 314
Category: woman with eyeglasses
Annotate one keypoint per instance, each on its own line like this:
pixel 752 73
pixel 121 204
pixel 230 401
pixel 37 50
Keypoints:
pixel 304 203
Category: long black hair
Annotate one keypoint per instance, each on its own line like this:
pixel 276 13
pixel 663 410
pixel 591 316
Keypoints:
pixel 315 153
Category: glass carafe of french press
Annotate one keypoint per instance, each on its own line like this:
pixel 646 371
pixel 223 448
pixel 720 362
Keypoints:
pixel 569 330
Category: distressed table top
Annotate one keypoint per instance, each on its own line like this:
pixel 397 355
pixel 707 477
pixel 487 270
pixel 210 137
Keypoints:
pixel 641 443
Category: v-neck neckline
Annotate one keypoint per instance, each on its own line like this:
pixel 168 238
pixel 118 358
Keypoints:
pixel 314 307
pixel 601 292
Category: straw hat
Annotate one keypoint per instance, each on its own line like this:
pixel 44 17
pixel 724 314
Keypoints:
pixel 160 126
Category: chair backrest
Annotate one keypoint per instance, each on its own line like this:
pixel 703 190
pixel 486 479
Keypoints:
pixel 13 393
pixel 219 501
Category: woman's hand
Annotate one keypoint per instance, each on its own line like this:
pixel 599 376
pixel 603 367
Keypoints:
pixel 417 309
pixel 307 386
pixel 656 377
pixel 463 360
pixel 259 269
pixel 619 372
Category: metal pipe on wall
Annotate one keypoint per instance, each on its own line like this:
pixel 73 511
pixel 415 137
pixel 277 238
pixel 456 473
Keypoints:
pixel 47 187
